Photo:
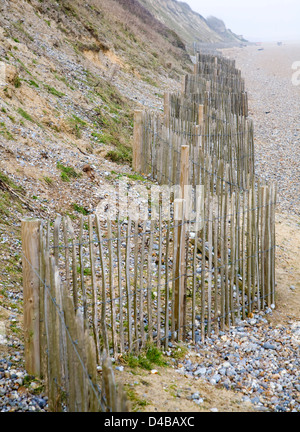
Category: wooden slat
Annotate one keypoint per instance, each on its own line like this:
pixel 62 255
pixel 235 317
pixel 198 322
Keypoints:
pixel 232 258
pixel 94 288
pixel 82 376
pixel 67 252
pixel 112 287
pixel 273 241
pixel 128 285
pixel 216 273
pixel 238 254
pixel 121 300
pixel 108 382
pixel 135 284
pixel 42 317
pixel 222 253
pixel 94 402
pixel 244 255
pixel 203 269
pixel 149 284
pixel 104 289
pixel 137 140
pixel 159 278
pixel 209 287
pixel 54 349
pixel 167 286
pixel 249 253
pixel 81 264
pixel 194 283
pixel 30 233
pixel 56 238
pixel 74 270
pixel 175 246
pixel 262 244
pixel 268 246
pixel 225 246
pixel 141 288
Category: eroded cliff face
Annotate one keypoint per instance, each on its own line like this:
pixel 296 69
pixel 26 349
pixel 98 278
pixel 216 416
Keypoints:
pixel 71 75
pixel 189 25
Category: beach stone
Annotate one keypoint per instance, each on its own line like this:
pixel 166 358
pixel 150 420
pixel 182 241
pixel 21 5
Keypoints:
pixel 269 346
pixel 200 371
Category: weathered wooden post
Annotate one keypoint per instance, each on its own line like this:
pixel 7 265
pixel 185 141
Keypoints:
pixel 201 116
pixel 137 141
pixel 167 109
pixel 180 255
pixel 184 84
pixel 215 74
pixel 30 232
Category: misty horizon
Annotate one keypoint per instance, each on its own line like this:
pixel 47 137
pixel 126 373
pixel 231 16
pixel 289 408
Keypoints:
pixel 260 20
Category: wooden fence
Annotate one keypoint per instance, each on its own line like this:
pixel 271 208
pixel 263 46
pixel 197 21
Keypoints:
pixel 58 344
pixel 213 146
pixel 202 256
pixel 139 282
pixel 239 209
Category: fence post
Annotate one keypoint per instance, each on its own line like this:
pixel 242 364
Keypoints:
pixel 179 306
pixel 183 84
pixel 30 234
pixel 167 109
pixel 201 116
pixel 137 141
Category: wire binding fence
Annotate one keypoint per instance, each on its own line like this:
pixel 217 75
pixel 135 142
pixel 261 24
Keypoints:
pixel 125 277
pixel 58 346
pixel 113 285
pixel 209 117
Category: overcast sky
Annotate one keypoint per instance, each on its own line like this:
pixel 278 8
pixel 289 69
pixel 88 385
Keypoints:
pixel 256 20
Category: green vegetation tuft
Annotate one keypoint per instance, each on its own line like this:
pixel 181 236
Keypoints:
pixel 17 82
pixel 6 201
pixel 48 180
pixel 67 172
pixel 33 83
pixel 87 271
pixel 76 124
pixel 137 402
pixel 80 209
pixel 10 183
pixel 121 154
pixel 146 360
pixel 135 177
pixel 4 132
pixel 25 115
pixel 154 355
pixel 53 91
pixel 179 352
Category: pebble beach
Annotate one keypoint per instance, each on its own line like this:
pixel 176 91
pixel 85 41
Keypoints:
pixel 274 106
pixel 256 359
